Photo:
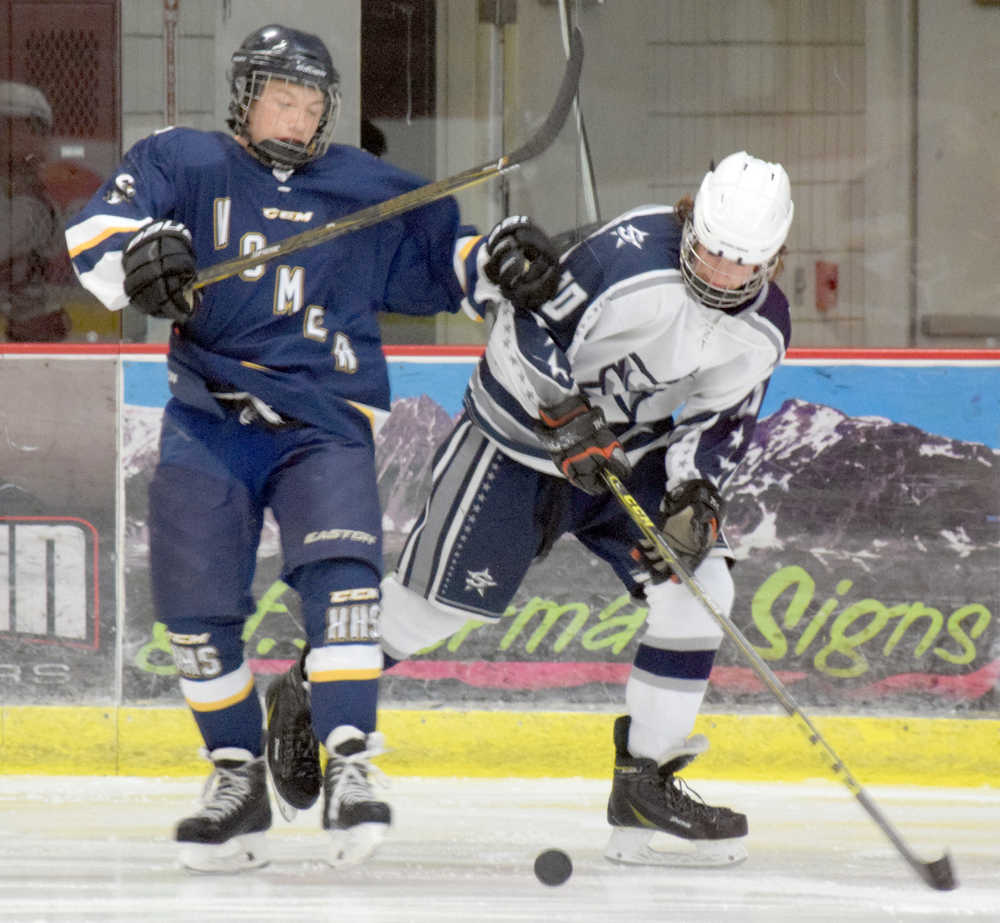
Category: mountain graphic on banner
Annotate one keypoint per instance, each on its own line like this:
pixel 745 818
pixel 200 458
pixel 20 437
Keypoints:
pixel 866 488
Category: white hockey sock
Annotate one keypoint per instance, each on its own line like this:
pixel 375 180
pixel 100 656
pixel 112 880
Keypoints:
pixel 664 706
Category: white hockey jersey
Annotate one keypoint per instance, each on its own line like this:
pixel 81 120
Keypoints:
pixel 623 329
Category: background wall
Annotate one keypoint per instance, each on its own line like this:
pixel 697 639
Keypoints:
pixel 886 140
pixel 207 33
pixel 956 182
pixel 881 110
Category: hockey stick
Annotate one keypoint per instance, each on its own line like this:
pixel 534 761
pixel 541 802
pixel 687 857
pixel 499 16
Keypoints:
pixel 586 162
pixel 424 195
pixel 939 874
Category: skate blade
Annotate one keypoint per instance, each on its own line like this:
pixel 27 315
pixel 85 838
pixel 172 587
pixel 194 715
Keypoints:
pixel 241 852
pixel 631 846
pixel 355 844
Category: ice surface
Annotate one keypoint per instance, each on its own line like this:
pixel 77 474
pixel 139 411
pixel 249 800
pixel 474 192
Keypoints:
pixel 462 850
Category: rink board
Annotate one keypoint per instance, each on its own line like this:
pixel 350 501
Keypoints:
pixel 881 608
pixel 49 740
pixel 866 523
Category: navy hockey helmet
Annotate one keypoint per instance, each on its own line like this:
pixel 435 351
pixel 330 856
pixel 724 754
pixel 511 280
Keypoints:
pixel 277 51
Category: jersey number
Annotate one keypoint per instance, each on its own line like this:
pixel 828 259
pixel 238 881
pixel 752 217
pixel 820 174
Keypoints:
pixel 569 297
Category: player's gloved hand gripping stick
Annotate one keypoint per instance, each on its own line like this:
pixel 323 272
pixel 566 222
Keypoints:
pixel 939 873
pixel 424 195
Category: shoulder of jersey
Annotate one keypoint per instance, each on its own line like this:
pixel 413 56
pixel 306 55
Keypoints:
pixel 192 139
pixel 185 146
pixel 775 309
pixel 368 176
pixel 643 239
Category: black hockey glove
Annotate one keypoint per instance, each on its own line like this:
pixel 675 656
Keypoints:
pixel 581 444
pixel 691 515
pixel 523 262
pixel 159 265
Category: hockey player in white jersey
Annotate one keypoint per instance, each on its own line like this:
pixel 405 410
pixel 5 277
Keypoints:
pixel 651 361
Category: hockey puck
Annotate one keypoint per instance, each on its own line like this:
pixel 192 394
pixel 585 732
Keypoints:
pixel 553 867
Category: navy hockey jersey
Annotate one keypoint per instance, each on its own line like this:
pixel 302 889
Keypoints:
pixel 301 332
pixel 623 330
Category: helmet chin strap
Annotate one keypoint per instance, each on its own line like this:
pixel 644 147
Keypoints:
pixel 287 155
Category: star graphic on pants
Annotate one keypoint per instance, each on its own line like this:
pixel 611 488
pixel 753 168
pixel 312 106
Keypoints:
pixel 479 580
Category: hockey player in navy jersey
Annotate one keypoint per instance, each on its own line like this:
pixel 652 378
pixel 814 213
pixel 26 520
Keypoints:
pixel 278 379
pixel 650 361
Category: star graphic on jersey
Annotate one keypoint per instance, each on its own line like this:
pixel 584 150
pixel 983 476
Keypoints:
pixel 555 369
pixel 629 234
pixel 479 580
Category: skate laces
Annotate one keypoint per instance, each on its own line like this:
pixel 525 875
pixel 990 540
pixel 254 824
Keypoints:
pixel 352 774
pixel 677 790
pixel 225 792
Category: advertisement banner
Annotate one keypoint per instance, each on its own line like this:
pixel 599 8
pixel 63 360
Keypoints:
pixel 865 521
pixel 58 471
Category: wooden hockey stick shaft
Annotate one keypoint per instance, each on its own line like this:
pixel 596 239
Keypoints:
pixel 423 195
pixel 939 873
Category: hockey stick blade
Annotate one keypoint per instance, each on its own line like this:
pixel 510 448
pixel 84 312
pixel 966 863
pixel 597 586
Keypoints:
pixel 939 873
pixel 423 195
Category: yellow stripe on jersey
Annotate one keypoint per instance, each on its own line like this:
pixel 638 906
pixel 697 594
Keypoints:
pixel 342 676
pixel 463 247
pixel 466 244
pixel 102 236
pixel 375 416
pixel 219 693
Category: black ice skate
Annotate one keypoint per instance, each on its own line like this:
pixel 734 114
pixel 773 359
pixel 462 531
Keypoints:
pixel 356 819
pixel 292 748
pixel 647 799
pixel 227 833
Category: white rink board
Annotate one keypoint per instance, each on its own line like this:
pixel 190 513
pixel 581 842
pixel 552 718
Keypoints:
pixel 86 848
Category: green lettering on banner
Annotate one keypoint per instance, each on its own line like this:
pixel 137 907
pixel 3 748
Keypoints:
pixel 146 659
pixel 843 644
pixel 765 598
pixel 907 616
pixel 841 654
pixel 553 612
pixel 614 631
pixel 955 620
pixel 847 645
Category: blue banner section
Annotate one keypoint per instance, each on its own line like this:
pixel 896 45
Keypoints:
pixel 960 402
pixel 145 383
pixel 444 382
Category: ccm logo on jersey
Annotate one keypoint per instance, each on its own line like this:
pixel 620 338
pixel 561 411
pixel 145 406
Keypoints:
pixel 284 214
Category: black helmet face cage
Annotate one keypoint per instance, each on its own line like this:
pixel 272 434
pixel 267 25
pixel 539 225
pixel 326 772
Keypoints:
pixel 714 296
pixel 274 152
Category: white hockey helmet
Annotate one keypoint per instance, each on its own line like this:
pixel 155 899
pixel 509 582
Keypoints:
pixel 21 101
pixel 742 212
